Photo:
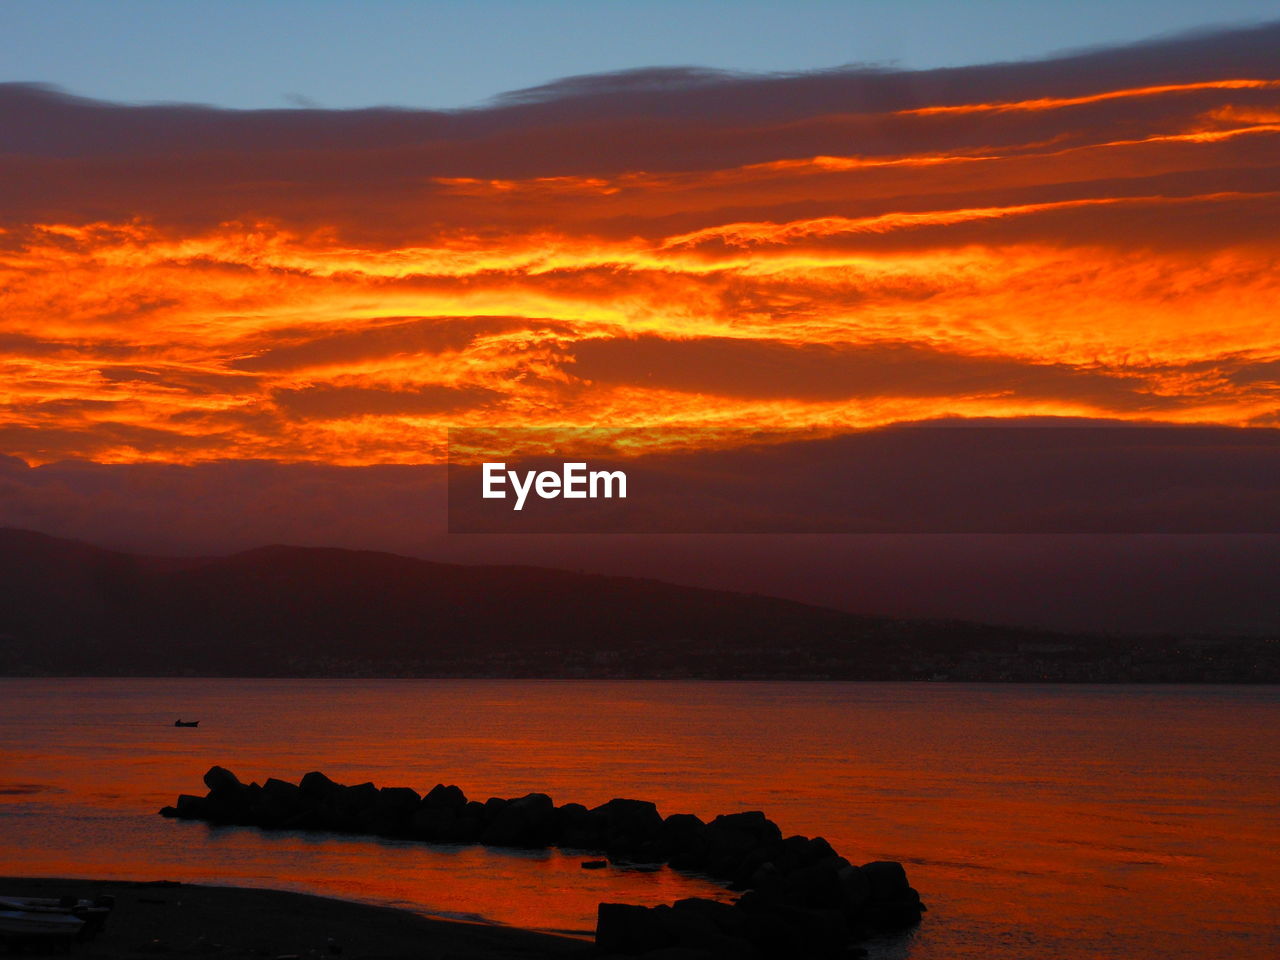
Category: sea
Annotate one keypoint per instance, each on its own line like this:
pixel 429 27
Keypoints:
pixel 1037 821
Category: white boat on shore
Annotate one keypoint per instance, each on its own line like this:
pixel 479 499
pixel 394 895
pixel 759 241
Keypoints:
pixel 39 924
pixel 34 920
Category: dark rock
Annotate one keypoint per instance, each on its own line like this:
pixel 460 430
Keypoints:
pixel 346 808
pixel 818 933
pixel 886 880
pixel 796 931
pixel 397 801
pixel 221 807
pixel 581 828
pixel 688 928
pixel 731 838
pixel 765 928
pixel 901 912
pixel 569 818
pixel 445 797
pixel 277 804
pixel 191 808
pixel 816 849
pixel 801 898
pixel 785 855
pixel 726 917
pixel 631 827
pixel 281 791
pixel 529 821
pixel 639 815
pixel 857 889
pixel 684 838
pixel 699 927
pixel 220 780
pixel 466 828
pixel 360 797
pixel 817 885
pixel 751 822
pixel 232 806
pixel 315 786
pixel 432 823
pixel 765 878
pixel 389 815
pixel 626 928
pixel 492 807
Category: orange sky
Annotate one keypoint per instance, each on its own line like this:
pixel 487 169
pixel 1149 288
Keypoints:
pixel 183 284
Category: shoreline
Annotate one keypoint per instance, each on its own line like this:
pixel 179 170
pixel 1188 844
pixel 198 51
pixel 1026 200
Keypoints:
pixel 194 919
pixel 557 678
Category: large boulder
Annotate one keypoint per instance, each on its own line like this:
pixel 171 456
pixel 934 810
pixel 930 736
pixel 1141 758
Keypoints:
pixel 432 823
pixel 529 821
pixel 777 929
pixel 627 928
pixel 580 828
pixel 315 787
pixel 348 808
pixel 190 807
pixel 399 802
pixel 684 838
pixel 731 838
pixel 222 781
pixel 468 825
pixel 892 904
pixel 632 828
pixel 492 808
pixel 752 823
pixel 232 802
pixel 278 803
pixel 718 926
pixel 817 885
pixel 445 797
pixel 359 797
pixel 856 886
pixel 703 928
pixel 898 914
pixel 392 808
pixel 886 880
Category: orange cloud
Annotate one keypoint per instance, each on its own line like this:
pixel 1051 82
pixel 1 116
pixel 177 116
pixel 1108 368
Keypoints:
pixel 1090 236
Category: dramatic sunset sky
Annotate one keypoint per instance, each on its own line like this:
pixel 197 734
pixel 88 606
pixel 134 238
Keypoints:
pixel 704 250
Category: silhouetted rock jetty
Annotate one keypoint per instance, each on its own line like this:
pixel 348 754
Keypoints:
pixel 799 897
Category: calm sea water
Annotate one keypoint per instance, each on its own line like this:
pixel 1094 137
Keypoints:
pixel 1037 821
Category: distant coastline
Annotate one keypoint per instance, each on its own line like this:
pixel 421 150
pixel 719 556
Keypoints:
pixel 71 609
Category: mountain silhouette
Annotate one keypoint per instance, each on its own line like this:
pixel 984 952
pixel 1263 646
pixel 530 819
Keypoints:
pixel 69 608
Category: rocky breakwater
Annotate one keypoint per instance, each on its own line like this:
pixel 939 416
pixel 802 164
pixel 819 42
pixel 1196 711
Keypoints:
pixel 798 896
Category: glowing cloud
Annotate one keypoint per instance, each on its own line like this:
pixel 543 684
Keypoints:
pixel 1089 236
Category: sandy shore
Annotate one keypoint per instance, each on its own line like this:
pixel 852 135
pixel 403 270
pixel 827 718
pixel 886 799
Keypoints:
pixel 153 920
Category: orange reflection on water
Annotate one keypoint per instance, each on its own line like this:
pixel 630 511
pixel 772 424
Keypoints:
pixel 1074 822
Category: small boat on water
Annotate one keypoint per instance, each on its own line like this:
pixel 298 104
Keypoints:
pixel 186 723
